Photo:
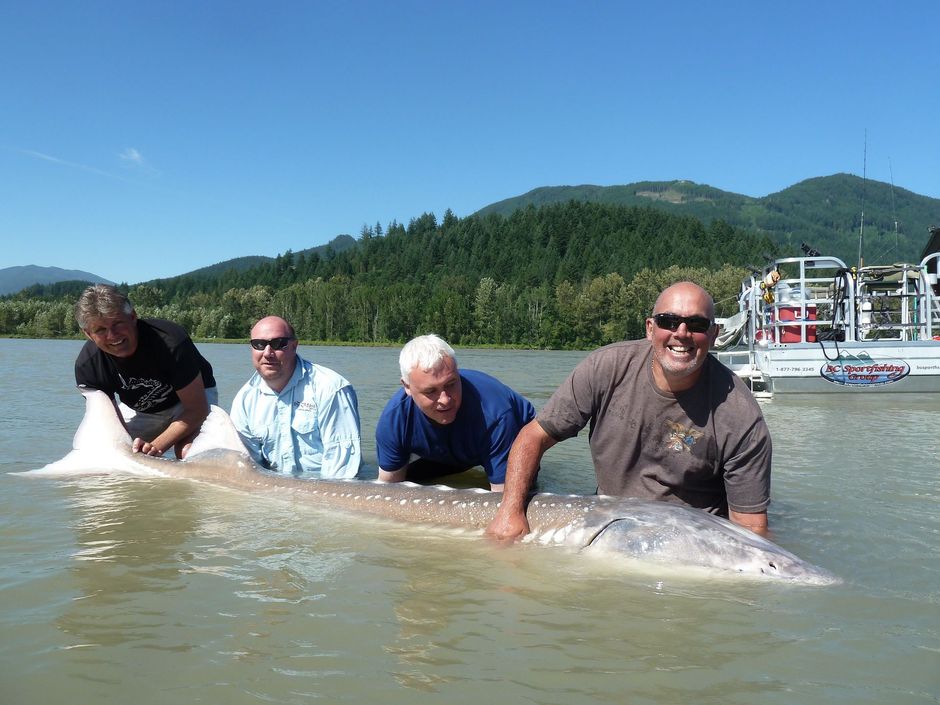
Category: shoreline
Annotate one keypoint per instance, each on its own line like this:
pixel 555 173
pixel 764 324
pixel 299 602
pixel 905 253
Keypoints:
pixel 326 343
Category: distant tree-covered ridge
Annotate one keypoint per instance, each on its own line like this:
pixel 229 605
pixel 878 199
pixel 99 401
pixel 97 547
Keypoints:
pixel 40 281
pixel 13 279
pixel 575 274
pixel 825 212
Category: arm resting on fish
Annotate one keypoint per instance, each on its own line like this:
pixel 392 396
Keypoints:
pixel 756 522
pixel 181 431
pixel 510 522
pixel 399 475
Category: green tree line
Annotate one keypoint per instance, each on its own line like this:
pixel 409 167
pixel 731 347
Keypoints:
pixel 824 212
pixel 570 275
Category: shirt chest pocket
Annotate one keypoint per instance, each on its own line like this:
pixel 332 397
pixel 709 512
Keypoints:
pixel 305 420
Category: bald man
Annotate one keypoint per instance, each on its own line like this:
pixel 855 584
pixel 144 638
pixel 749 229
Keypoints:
pixel 295 416
pixel 668 422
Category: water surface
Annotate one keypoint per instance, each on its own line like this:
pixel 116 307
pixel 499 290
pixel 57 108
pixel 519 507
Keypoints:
pixel 119 590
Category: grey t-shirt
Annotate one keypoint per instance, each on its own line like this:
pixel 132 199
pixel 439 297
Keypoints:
pixel 707 447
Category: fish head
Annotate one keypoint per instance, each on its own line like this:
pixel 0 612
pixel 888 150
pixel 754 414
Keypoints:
pixel 675 535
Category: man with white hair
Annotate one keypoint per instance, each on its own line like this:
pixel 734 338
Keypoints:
pixel 444 420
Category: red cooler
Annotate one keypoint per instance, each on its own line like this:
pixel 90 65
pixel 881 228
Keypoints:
pixel 791 334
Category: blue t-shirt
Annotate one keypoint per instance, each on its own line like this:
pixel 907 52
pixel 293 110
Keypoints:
pixel 490 416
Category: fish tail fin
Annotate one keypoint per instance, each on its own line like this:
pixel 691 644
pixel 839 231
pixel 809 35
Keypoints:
pixel 100 427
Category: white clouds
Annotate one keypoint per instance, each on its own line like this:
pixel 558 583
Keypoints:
pixel 63 162
pixel 131 158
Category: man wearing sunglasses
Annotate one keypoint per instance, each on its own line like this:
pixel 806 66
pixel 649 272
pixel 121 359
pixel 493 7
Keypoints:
pixel 668 422
pixel 295 416
pixel 162 384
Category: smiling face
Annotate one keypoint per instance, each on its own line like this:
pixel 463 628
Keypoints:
pixel 437 392
pixel 274 366
pixel 115 335
pixel 678 355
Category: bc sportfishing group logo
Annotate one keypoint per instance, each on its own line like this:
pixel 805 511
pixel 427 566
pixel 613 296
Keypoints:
pixel 862 371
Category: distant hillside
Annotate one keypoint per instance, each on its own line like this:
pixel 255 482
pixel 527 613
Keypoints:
pixel 565 274
pixel 239 264
pixel 14 279
pixel 242 264
pixel 824 212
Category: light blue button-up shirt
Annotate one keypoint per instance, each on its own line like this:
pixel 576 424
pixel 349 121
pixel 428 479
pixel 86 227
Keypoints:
pixel 311 426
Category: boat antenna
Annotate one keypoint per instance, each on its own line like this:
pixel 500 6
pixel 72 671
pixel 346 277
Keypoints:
pixel 861 227
pixel 894 211
pixel 894 216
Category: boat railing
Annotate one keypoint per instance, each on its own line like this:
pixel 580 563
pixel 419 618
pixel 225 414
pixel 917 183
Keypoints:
pixel 930 304
pixel 794 306
pixel 812 297
pixel 898 302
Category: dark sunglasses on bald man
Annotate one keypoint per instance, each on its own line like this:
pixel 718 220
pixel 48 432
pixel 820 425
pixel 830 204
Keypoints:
pixel 694 324
pixel 275 343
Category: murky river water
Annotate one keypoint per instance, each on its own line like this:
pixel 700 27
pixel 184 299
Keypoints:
pixel 119 590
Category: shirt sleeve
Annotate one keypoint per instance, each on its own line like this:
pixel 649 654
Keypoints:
pixel 87 376
pixel 185 363
pixel 572 405
pixel 239 418
pixel 388 442
pixel 340 435
pixel 83 379
pixel 747 471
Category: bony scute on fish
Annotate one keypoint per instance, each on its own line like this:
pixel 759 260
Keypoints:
pixel 654 533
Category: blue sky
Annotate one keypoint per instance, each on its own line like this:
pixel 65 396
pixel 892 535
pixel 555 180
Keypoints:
pixel 147 139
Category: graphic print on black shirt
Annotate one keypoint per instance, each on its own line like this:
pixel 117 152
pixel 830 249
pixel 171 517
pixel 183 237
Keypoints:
pixel 155 394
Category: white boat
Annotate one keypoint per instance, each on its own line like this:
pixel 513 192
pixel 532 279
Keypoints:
pixel 813 325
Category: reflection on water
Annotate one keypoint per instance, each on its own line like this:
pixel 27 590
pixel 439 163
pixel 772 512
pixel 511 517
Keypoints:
pixel 124 549
pixel 119 590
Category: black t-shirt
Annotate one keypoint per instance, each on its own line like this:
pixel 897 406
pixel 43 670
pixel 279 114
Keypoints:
pixel 165 360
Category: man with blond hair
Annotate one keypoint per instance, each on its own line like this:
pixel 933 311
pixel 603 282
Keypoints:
pixel 444 420
pixel 162 384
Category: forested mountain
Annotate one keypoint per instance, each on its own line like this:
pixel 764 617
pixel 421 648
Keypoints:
pixel 54 282
pixel 824 212
pixel 571 274
pixel 13 279
pixel 240 264
pixel 558 267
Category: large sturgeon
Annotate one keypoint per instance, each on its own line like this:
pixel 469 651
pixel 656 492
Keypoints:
pixel 660 532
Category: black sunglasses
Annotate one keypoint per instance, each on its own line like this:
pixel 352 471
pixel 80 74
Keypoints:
pixel 275 343
pixel 694 324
